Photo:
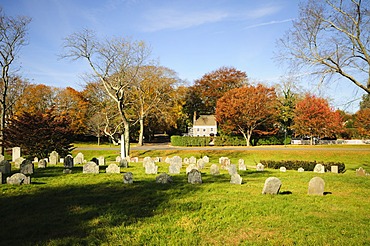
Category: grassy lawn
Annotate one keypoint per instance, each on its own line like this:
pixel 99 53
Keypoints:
pixel 99 209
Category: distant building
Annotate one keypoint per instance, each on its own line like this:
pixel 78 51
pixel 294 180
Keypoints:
pixel 204 126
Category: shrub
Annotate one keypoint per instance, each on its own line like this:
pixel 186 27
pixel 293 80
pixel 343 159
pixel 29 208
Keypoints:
pixel 189 141
pixel 306 165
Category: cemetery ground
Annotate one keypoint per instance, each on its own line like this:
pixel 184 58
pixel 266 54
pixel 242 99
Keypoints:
pixel 99 209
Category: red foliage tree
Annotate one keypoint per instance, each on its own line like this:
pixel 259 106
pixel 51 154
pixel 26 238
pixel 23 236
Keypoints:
pixel 247 109
pixel 315 118
pixel 362 122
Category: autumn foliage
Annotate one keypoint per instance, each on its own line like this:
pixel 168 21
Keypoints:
pixel 247 110
pixel 315 118
pixel 363 122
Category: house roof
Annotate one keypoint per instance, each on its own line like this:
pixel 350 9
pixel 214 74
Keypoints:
pixel 206 120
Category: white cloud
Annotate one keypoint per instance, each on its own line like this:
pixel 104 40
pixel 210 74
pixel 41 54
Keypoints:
pixel 263 11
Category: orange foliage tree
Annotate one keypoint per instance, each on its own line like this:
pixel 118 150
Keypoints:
pixel 247 110
pixel 362 122
pixel 315 118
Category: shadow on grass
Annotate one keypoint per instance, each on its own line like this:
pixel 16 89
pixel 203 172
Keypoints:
pixel 73 211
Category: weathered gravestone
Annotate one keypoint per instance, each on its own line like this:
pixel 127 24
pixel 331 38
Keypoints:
pixel 334 169
pixel 134 159
pixel 123 163
pixel 176 160
pixel 214 170
pixel 194 177
pixel 260 167
pixel 16 153
pixel 272 186
pixel 53 158
pixel 205 159
pixel 232 169
pixel 18 162
pixel 68 161
pixel 101 161
pixel 360 172
pixel 316 186
pixel 283 169
pixel 18 179
pixel 191 167
pixel 242 166
pixel 42 163
pixel 118 159
pixel 5 167
pixel 200 164
pixel 90 167
pixel 174 168
pixel 186 161
pixel 319 168
pixel 79 159
pixel 225 162
pixel 192 160
pixel 163 178
pixel 27 167
pixel 67 171
pixel 113 168
pixel 300 170
pixel 236 179
pixel 128 178
pixel 148 160
pixel 151 168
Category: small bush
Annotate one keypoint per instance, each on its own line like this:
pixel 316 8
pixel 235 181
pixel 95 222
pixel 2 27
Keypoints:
pixel 189 141
pixel 306 165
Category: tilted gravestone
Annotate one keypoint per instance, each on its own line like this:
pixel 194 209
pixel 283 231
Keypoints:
pixel 27 167
pixel 194 177
pixel 319 168
pixel 53 158
pixel 316 186
pixel 128 178
pixel 68 161
pixel 260 167
pixel 236 179
pixel 18 179
pixel 163 178
pixel 272 186
pixel 214 169
pixel 113 168
pixel 5 167
pixel 90 167
pixel 42 163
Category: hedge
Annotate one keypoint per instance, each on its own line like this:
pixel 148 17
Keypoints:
pixel 189 141
pixel 306 165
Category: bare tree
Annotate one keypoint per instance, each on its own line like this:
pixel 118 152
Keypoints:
pixel 13 32
pixel 331 37
pixel 115 63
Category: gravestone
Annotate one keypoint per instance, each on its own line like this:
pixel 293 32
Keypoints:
pixel 272 186
pixel 225 162
pixel 123 163
pixel 134 159
pixel 68 161
pixel 90 167
pixel 53 158
pixel 232 169
pixel 35 160
pixel 5 167
pixel 319 168
pixel 118 159
pixel 360 172
pixel 174 168
pixel 242 166
pixel 16 153
pixel 205 159
pixel 191 167
pixel 260 167
pixel 186 161
pixel 283 169
pixel 214 170
pixel 18 162
pixel 113 168
pixel 128 178
pixel 79 159
pixel 334 169
pixel 159 159
pixel 67 171
pixel 167 160
pixel 177 160
pixel 236 179
pixel 148 160
pixel 200 164
pixel 316 186
pixel 42 163
pixel 101 161
pixel 61 160
pixel 194 177
pixel 151 168
pixel 26 167
pixel 18 179
pixel 163 178
pixel 192 160
pixel 300 170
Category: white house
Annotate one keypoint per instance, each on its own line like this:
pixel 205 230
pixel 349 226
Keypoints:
pixel 204 126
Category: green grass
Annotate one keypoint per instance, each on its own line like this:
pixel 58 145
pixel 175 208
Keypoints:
pixel 98 209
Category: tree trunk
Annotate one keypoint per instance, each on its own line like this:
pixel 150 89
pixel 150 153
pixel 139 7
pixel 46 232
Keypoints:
pixel 141 133
pixel 2 124
pixel 127 139
pixel 247 136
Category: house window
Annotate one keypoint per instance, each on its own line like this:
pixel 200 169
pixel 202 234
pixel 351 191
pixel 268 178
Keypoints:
pixel 198 130
pixel 204 130
pixel 211 129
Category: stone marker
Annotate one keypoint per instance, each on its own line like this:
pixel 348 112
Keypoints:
pixel 26 167
pixel 68 161
pixel 16 153
pixel 205 159
pixel 319 168
pixel 79 159
pixel 316 186
pixel 186 161
pixel 67 171
pixel 360 172
pixel 200 164
pixel 214 170
pixel 101 161
pixel 163 178
pixel 113 168
pixel 123 163
pixel 18 162
pixel 232 169
pixel 191 167
pixel 272 186
pixel 53 158
pixel 42 163
pixel 134 159
pixel 90 167
pixel 236 179
pixel 283 169
pixel 334 169
pixel 5 167
pixel 300 170
pixel 192 160
pixel 118 159
pixel 151 168
pixel 194 177
pixel 260 167
pixel 128 178
pixel 18 179
pixel 242 166
pixel 174 168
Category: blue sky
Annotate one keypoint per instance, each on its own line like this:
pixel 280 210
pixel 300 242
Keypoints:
pixel 192 37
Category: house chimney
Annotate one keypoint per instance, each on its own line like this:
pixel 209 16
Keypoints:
pixel 194 117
